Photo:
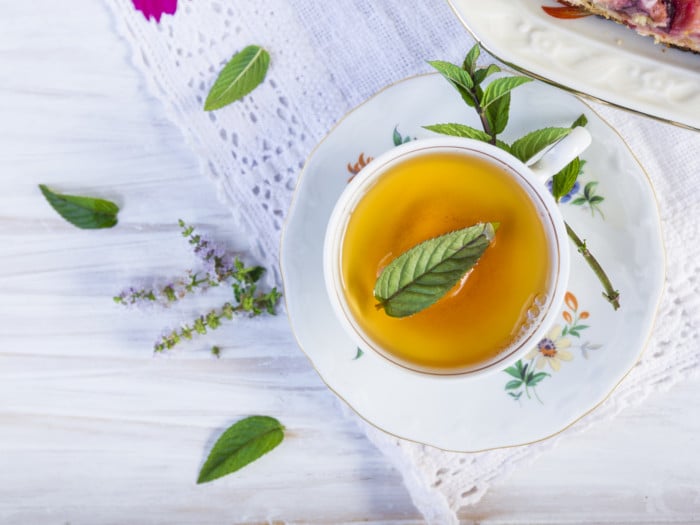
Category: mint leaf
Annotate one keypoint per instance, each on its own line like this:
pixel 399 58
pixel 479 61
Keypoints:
pixel 500 87
pixel 581 121
pixel 453 73
pixel 482 73
pixel 84 212
pixel 497 114
pixel 420 276
pixel 469 63
pixel 459 78
pixel 459 130
pixel 243 73
pixel 563 181
pixel 531 144
pixel 243 443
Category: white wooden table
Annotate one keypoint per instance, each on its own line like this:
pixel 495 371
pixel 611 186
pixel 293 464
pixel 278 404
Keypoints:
pixel 94 429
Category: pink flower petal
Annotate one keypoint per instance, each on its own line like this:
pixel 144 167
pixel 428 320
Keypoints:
pixel 155 8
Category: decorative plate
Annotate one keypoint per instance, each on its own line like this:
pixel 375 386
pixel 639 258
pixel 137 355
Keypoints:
pixel 585 355
pixel 590 56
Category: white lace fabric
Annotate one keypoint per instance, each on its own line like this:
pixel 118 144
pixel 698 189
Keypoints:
pixel 326 58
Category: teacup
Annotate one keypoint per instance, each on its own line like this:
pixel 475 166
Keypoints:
pixel 425 188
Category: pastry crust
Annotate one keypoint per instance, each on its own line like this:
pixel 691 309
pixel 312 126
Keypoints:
pixel 671 22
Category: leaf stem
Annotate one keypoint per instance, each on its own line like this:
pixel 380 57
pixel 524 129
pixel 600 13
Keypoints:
pixel 485 124
pixel 534 391
pixel 611 294
pixel 482 115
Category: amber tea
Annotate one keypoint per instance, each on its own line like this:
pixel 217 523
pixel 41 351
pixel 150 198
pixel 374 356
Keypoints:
pixel 488 310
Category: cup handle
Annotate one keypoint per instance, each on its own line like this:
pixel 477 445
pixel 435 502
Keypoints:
pixel 546 164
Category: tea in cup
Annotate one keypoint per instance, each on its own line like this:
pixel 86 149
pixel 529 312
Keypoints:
pixel 423 189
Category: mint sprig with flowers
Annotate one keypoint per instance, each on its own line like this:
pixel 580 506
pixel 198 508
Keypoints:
pixel 218 268
pixel 492 104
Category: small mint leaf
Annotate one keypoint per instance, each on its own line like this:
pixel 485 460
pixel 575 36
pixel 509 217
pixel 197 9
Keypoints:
pixel 497 114
pixel 243 73
pixel 453 73
pixel 482 73
pixel 503 145
pixel 469 63
pixel 422 275
pixel 563 181
pixel 531 144
pixel 87 213
pixel 500 87
pixel 459 130
pixel 243 443
pixel 580 122
pixel 459 79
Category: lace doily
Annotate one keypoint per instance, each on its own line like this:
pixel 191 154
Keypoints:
pixel 325 59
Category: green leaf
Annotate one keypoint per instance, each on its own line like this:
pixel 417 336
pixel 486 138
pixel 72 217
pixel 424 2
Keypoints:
pixel 243 443
pixel 563 181
pixel 589 189
pixel 459 130
pixel 513 384
pixel 243 73
pixel 531 144
pixel 514 371
pixel 84 212
pixel 459 78
pixel 398 139
pixel 483 73
pixel 497 114
pixel 581 121
pixel 420 276
pixel 359 354
pixel 453 73
pixel 500 87
pixel 596 199
pixel 503 145
pixel 533 379
pixel 470 60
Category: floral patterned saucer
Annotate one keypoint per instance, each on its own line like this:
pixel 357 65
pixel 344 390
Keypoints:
pixel 568 373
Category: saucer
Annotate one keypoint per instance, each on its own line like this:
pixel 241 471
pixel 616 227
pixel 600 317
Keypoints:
pixel 591 348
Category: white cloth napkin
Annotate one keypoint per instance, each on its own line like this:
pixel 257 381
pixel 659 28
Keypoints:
pixel 327 57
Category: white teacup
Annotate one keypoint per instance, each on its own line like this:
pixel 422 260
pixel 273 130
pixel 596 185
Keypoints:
pixel 532 181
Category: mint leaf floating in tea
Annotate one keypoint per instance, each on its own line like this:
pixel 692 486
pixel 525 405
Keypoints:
pixel 243 73
pixel 84 212
pixel 420 276
pixel 243 443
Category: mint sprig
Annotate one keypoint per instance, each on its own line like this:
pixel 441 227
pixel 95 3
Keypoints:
pixel 492 104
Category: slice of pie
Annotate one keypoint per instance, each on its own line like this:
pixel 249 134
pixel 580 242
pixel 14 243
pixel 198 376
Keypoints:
pixel 673 22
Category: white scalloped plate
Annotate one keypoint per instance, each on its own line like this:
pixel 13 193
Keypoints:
pixel 590 56
pixel 471 414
